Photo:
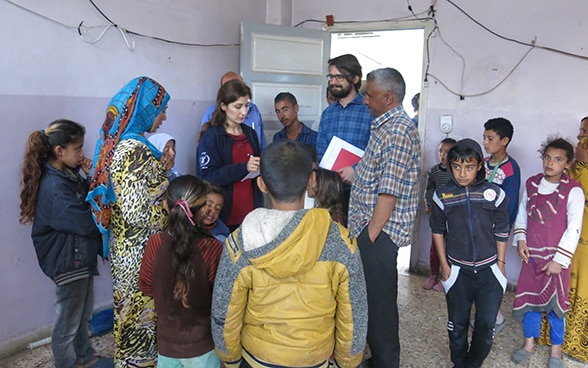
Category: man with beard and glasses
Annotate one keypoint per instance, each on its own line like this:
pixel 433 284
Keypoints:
pixel 347 118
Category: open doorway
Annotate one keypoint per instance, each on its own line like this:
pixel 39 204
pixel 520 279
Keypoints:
pixel 400 49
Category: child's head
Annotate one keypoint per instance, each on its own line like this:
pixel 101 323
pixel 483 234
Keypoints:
pixel 185 200
pixel 327 192
pixel 497 135
pixel 215 201
pixel 164 143
pixel 583 129
pixel 416 102
pixel 444 148
pixel 60 143
pixel 330 97
pixel 557 155
pixel 286 168
pixel 466 162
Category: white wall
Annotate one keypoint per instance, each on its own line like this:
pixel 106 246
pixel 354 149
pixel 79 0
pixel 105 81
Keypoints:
pixel 48 72
pixel 543 96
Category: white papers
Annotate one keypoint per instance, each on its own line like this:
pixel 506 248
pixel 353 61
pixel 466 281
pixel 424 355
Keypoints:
pixel 308 202
pixel 251 175
pixel 340 154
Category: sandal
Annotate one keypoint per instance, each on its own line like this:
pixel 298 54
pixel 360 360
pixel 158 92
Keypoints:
pixel 520 356
pixel 555 363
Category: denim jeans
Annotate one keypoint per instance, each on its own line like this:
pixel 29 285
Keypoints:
pixel 70 338
pixel 381 276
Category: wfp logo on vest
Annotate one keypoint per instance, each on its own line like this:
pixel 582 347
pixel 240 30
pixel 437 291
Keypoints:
pixel 204 160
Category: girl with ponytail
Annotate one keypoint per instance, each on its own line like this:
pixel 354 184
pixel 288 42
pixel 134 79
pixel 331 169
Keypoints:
pixel 67 242
pixel 178 271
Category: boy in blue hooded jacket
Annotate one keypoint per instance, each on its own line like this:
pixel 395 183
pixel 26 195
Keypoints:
pixel 472 214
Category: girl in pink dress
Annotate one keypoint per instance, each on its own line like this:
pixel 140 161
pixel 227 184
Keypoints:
pixel 546 232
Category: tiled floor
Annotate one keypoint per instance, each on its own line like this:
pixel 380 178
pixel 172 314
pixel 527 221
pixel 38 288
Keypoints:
pixel 423 334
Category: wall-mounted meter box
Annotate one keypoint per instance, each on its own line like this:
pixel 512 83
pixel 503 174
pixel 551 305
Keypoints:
pixel 446 123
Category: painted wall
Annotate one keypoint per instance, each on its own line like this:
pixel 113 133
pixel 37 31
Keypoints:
pixel 49 72
pixel 541 97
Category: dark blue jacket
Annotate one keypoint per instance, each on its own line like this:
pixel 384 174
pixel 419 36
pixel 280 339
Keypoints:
pixel 215 164
pixel 472 218
pixel 66 239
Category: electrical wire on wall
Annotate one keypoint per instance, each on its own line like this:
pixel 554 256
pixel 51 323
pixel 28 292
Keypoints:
pixel 429 15
pixel 126 34
pixel 126 31
pixel 408 17
pixel 462 95
pixel 531 46
pixel 423 16
pixel 437 30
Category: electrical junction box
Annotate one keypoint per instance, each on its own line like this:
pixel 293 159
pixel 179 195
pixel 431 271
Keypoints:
pixel 446 123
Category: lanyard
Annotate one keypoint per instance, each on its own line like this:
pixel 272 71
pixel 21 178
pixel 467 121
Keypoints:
pixel 491 178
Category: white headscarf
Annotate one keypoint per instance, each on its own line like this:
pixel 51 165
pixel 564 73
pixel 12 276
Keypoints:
pixel 159 140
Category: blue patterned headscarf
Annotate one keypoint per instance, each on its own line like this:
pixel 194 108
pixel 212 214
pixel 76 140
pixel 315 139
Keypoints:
pixel 130 113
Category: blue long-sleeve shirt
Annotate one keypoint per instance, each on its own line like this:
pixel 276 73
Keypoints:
pixel 350 123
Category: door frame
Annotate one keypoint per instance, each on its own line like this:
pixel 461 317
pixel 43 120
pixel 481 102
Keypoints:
pixel 428 26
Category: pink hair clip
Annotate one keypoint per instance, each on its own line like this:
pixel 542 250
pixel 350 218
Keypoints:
pixel 186 207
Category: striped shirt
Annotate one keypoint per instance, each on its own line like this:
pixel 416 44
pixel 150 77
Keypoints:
pixel 350 123
pixel 437 177
pixel 390 166
pixel 210 249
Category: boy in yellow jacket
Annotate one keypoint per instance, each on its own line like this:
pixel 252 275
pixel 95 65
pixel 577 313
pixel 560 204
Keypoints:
pixel 290 287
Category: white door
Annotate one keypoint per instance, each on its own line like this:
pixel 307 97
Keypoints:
pixel 278 59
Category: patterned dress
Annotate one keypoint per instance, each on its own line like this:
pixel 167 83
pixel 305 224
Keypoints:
pixel 139 182
pixel 547 221
pixel 576 334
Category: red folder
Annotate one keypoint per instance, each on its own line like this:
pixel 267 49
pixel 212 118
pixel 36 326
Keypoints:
pixel 340 154
pixel 344 159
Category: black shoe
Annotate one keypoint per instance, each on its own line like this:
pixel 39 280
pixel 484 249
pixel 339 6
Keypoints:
pixel 368 363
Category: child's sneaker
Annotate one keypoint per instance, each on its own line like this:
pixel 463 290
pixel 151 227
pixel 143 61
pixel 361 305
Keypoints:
pixel 439 287
pixel 430 283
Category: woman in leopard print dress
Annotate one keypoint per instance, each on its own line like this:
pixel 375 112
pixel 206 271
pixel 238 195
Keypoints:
pixel 129 179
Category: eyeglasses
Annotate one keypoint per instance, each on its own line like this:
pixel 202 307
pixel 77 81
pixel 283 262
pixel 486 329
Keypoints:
pixel 337 77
